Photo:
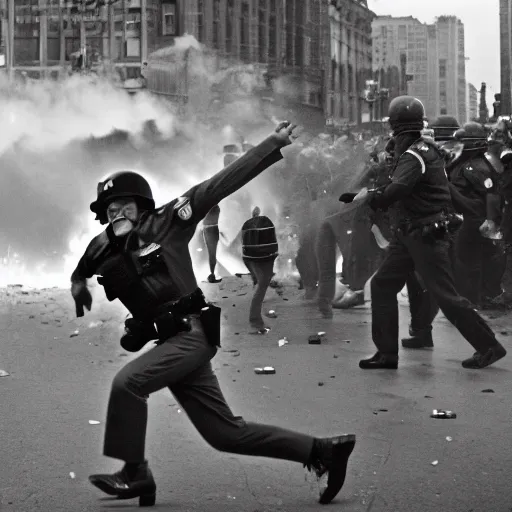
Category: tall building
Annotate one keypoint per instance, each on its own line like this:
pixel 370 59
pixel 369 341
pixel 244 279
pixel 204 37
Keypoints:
pixel 452 67
pixel 350 60
pixel 472 102
pixel 403 54
pixel 506 55
pixel 426 61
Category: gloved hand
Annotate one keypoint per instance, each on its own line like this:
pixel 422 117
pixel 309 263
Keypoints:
pixel 488 228
pixel 347 197
pixel 283 132
pixel 137 334
pixel 82 297
pixel 362 194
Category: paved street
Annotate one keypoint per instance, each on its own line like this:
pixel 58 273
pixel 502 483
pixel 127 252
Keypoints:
pixel 57 383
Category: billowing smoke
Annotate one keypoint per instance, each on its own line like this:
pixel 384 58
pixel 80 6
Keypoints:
pixel 58 139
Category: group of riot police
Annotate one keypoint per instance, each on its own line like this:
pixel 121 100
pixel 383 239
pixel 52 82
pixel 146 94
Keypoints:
pixel 442 198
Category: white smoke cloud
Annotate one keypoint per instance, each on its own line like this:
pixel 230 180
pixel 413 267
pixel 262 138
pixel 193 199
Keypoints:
pixel 58 139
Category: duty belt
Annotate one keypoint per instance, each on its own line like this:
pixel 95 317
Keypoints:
pixel 172 317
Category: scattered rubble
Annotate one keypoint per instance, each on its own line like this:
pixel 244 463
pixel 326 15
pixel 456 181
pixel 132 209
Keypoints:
pixel 488 390
pixel 266 370
pixel 3 373
pixel 94 422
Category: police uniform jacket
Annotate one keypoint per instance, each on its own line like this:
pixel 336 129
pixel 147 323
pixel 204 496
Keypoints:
pixel 418 186
pixel 152 265
pixel 476 181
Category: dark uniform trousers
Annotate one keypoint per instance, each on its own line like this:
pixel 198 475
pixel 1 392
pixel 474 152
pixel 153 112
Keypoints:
pixel 432 261
pixel 472 253
pixel 182 364
pixel 422 306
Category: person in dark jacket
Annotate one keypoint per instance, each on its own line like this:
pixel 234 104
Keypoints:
pixel 143 259
pixel 420 196
pixel 259 251
pixel 211 235
pixel 475 180
pixel 422 305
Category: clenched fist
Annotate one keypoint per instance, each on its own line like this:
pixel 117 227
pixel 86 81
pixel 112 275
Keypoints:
pixel 82 297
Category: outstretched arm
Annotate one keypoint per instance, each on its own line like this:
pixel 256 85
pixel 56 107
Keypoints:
pixel 240 172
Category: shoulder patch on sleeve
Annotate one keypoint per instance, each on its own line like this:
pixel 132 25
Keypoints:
pixel 183 208
pixel 423 167
pixel 488 183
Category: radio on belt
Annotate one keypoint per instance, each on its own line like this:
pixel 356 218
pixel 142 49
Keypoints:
pixel 266 370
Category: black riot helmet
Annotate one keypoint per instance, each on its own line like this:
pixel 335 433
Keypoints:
pixel 122 184
pixel 444 128
pixel 406 114
pixel 473 135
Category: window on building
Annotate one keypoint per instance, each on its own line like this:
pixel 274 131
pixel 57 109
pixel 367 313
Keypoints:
pixel 290 33
pixel 169 19
pixel 272 34
pixel 444 111
pixel 442 68
pixel 229 25
pixel 216 24
pixel 133 47
pixel 244 32
pixel 262 32
pixel 200 21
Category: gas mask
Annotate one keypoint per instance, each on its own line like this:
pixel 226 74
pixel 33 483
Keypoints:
pixel 122 214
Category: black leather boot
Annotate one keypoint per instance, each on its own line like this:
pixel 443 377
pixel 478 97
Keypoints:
pixel 129 483
pixel 483 359
pixel 330 456
pixel 421 341
pixel 380 361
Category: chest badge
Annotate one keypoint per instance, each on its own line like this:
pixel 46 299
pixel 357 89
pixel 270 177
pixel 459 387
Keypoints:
pixel 185 211
pixel 488 183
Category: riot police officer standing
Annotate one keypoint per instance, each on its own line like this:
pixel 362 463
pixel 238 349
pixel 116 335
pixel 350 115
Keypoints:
pixel 143 260
pixel 475 179
pixel 421 200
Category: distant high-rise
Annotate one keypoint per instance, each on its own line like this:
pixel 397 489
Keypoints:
pixel 452 67
pixel 426 61
pixel 506 55
pixel 472 102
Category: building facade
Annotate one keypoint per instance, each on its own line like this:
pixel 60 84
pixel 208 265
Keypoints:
pixel 426 61
pixel 452 67
pixel 472 102
pixel 350 63
pixel 506 56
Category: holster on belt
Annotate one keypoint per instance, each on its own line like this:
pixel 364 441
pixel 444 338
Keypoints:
pixel 174 318
pixel 434 228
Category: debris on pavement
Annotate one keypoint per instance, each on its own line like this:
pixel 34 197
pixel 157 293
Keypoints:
pixel 74 333
pixel 488 390
pixel 443 415
pixel 320 383
pixel 94 324
pixel 448 438
pixel 435 463
pixel 3 373
pixel 314 339
pixel 283 341
pixel 266 370
pixel 271 314
pixel 72 475
pixel 94 422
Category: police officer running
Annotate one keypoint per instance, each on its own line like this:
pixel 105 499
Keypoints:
pixel 422 218
pixel 143 259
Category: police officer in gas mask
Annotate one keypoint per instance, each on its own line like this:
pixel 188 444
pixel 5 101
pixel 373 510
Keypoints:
pixel 474 178
pixel 419 196
pixel 143 260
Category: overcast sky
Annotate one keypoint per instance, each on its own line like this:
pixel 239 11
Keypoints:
pixel 481 31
